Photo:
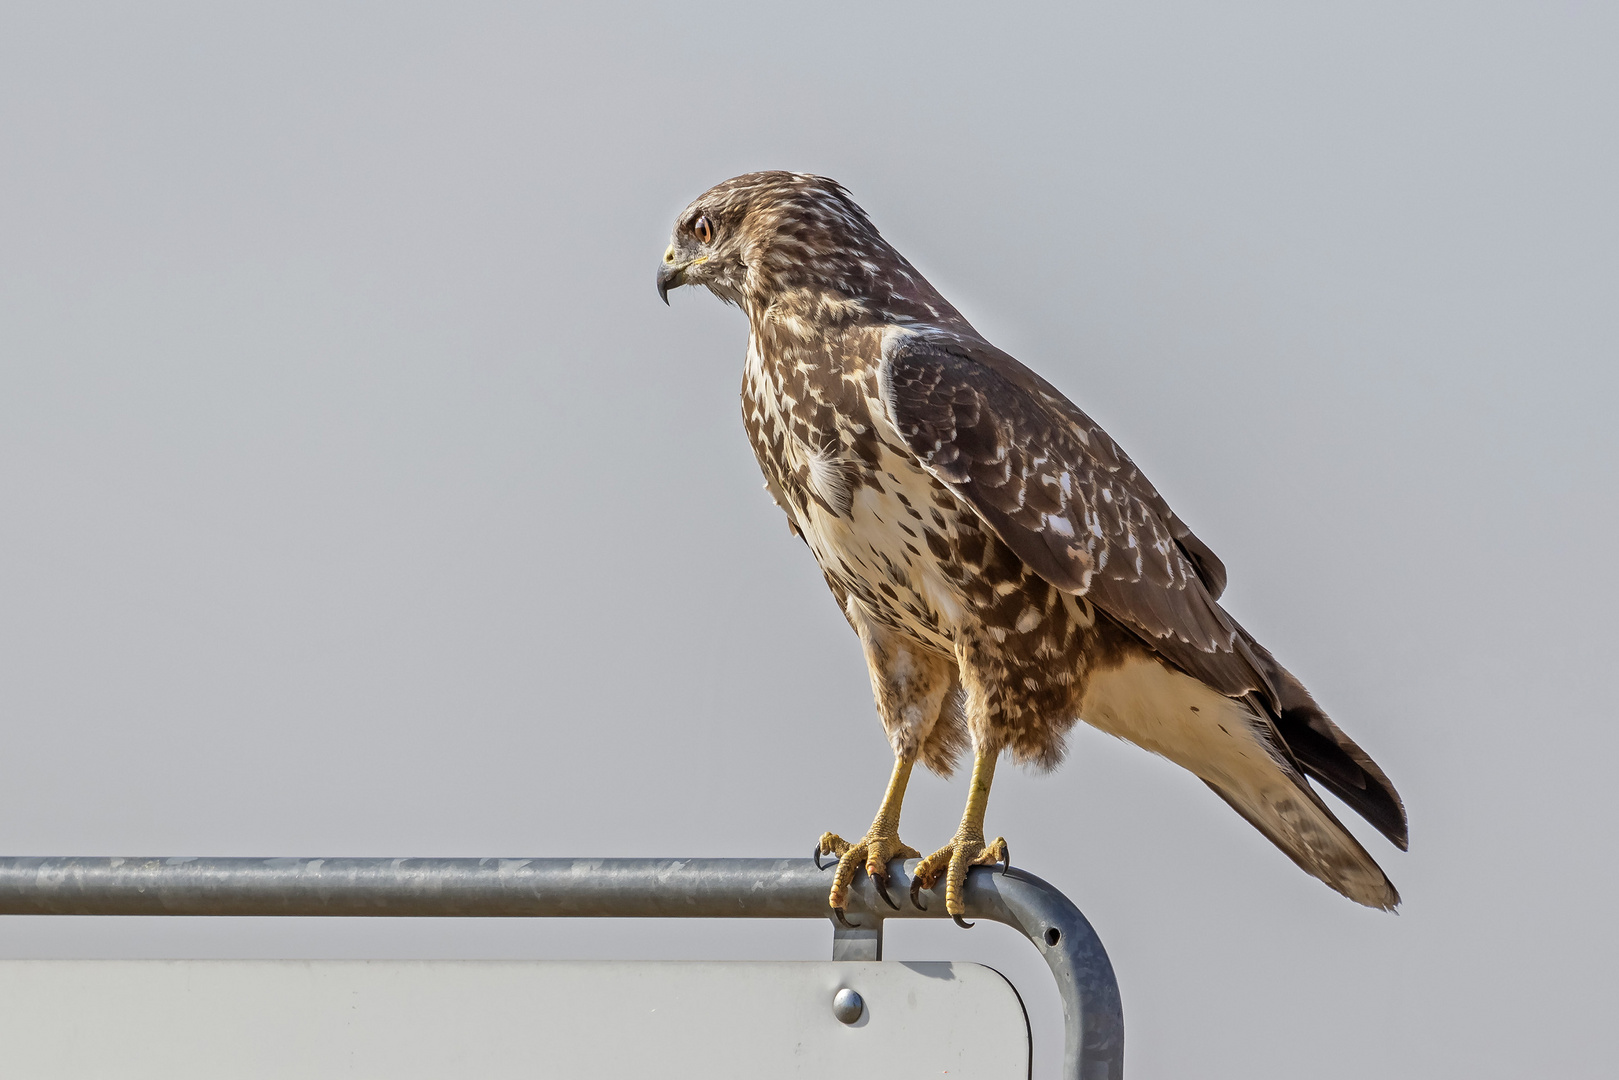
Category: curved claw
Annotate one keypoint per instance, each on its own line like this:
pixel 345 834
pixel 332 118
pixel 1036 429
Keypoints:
pixel 816 855
pixel 881 882
pixel 963 923
pixel 1006 860
pixel 916 894
pixel 839 913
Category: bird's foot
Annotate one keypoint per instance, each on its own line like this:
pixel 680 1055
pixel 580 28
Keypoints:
pixel 874 853
pixel 951 862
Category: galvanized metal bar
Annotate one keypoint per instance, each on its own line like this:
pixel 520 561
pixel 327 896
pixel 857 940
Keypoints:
pixel 588 888
pixel 861 941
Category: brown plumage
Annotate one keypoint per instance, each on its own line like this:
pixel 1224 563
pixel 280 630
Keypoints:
pixel 1007 567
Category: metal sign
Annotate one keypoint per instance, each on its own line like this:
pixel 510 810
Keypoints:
pixel 504 1020
pixel 1093 1019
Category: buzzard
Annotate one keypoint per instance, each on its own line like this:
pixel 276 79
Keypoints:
pixel 1006 566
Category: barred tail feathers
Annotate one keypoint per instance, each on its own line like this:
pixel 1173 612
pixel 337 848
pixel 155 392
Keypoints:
pixel 1236 750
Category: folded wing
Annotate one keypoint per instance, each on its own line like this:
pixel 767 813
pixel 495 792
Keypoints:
pixel 1063 496
pixel 1073 506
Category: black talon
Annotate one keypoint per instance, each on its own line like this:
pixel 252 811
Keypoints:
pixel 816 855
pixel 839 913
pixel 916 894
pixel 1006 858
pixel 963 923
pixel 881 881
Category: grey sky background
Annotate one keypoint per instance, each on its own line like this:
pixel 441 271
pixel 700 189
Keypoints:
pixel 358 497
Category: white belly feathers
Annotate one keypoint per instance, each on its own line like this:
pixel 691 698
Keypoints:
pixel 877 548
pixel 863 522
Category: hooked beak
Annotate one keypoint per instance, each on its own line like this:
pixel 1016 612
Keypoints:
pixel 669 277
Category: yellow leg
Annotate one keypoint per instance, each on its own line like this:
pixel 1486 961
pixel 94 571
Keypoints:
pixel 967 848
pixel 880 845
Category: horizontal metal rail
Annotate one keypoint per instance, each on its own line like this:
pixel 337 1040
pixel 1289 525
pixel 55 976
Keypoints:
pixel 1093 1020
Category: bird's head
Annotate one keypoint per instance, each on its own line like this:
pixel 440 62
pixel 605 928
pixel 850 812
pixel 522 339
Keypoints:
pixel 756 239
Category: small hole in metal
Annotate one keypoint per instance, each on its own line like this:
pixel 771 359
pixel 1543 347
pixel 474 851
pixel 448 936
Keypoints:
pixel 1053 935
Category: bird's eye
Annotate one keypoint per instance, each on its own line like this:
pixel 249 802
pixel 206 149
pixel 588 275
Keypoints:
pixel 704 231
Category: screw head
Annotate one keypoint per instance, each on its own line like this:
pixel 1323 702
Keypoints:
pixel 848 1006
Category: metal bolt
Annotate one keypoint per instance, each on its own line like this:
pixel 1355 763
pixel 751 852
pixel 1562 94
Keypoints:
pixel 848 1006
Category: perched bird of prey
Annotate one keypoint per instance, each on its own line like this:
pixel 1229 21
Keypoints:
pixel 1006 566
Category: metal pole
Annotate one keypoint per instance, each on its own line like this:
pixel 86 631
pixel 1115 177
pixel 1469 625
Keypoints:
pixel 1093 1020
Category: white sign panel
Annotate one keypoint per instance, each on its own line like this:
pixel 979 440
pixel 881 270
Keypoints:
pixel 503 1020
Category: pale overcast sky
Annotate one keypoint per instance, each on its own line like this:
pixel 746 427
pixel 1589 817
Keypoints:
pixel 358 497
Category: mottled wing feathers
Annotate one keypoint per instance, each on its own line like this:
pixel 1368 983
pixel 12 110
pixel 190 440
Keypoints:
pixel 1065 499
pixel 1210 569
pixel 1061 494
